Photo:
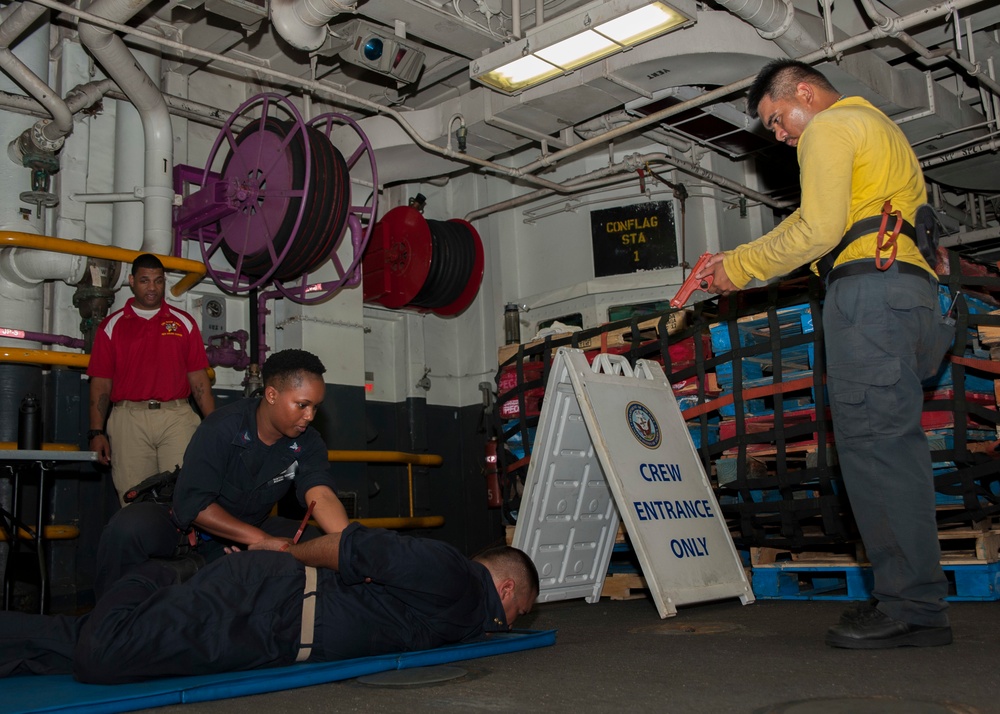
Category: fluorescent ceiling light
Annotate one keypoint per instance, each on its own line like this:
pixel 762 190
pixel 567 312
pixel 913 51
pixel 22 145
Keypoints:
pixel 578 50
pixel 576 39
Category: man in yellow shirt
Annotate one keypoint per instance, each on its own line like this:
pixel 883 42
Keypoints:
pixel 883 333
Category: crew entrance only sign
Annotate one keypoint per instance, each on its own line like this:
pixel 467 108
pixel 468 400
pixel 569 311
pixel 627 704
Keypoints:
pixel 611 443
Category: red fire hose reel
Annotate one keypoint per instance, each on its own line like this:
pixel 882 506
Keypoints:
pixel 423 265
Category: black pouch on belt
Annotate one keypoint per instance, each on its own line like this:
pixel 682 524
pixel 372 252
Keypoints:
pixel 158 488
pixel 927 233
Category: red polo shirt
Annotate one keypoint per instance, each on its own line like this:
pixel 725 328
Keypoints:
pixel 147 359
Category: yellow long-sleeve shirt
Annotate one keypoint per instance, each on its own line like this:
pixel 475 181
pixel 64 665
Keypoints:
pixel 852 158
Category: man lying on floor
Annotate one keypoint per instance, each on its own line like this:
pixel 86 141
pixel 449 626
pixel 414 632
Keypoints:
pixel 353 594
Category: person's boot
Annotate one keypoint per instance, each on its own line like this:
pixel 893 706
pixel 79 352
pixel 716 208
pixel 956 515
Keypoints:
pixel 873 629
pixel 858 611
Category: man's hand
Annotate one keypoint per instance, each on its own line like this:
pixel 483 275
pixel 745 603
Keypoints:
pixel 102 446
pixel 100 404
pixel 721 284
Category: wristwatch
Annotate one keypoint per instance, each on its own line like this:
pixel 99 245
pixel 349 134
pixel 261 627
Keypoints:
pixel 94 432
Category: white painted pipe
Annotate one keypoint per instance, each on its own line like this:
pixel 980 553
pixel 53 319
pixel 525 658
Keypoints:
pixel 302 23
pixel 128 216
pixel 608 176
pixel 46 135
pixel 27 267
pixel 20 304
pixel 524 173
pixel 119 63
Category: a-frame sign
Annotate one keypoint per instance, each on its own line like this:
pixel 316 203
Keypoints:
pixel 611 442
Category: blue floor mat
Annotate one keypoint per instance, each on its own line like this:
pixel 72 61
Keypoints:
pixel 61 693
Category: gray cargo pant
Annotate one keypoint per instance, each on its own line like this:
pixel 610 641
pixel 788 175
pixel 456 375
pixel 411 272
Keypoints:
pixel 884 334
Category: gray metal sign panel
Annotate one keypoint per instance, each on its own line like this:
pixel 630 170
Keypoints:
pixel 568 520
pixel 614 430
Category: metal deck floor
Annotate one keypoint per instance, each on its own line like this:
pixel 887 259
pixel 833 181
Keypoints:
pixel 718 657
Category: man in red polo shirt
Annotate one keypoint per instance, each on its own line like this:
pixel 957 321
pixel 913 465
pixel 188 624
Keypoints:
pixel 148 358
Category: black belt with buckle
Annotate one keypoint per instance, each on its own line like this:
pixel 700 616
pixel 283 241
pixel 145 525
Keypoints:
pixel 150 403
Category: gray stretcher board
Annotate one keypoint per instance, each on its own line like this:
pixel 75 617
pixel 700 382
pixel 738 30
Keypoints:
pixel 612 443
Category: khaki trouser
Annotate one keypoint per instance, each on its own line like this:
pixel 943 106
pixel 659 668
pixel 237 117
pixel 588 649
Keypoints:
pixel 147 441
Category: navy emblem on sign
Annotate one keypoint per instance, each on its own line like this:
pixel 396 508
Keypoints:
pixel 643 425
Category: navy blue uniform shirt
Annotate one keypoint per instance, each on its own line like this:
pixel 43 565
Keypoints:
pixel 226 463
pixel 423 593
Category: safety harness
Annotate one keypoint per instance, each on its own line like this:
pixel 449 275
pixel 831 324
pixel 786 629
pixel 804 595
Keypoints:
pixel 923 234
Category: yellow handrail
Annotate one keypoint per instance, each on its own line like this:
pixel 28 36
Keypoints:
pixel 48 533
pixel 393 457
pixel 402 522
pixel 65 359
pixel 12 446
pixel 193 270
pixel 385 457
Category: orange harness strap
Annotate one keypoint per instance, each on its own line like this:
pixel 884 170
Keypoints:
pixel 890 244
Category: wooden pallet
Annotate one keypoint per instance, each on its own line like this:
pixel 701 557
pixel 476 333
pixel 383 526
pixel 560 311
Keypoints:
pixel 967 545
pixel 959 546
pixel 843 554
pixel 624 586
pixel 648 331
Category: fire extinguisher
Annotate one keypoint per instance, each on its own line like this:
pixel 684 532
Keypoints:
pixel 493 497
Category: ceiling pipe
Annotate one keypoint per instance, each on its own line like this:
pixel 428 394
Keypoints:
pixel 289 80
pixel 119 63
pixel 889 26
pixel 302 23
pixel 20 104
pixel 47 135
pixel 823 53
pixel 632 162
pixel 974 71
pixel 719 180
pixel 969 237
pixel 523 173
pixel 596 127
pixel 963 153
pixel 774 20
pixel 80 97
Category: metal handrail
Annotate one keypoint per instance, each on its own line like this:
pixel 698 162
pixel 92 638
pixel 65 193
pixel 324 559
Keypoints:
pixel 192 269
pixel 393 457
pixel 12 446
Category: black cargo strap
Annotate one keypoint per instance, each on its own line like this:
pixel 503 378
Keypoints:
pixel 864 266
pixel 864 227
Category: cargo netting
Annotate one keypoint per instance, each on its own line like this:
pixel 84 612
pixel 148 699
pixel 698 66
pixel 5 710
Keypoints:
pixel 748 374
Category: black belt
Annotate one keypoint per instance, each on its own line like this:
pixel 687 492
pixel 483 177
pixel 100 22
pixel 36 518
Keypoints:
pixel 863 267
pixel 151 403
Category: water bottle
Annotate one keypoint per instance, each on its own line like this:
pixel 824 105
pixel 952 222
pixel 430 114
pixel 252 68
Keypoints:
pixel 29 424
pixel 511 324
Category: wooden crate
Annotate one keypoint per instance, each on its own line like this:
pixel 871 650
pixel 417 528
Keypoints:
pixel 989 335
